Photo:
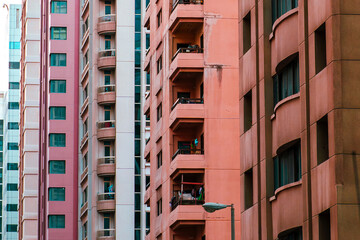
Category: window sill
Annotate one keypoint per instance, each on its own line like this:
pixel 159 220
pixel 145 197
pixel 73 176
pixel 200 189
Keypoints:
pixel 281 19
pixel 285 187
pixel 282 102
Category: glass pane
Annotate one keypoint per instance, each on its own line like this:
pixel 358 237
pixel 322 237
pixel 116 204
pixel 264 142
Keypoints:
pixel 137 23
pixel 57 167
pixel 137 77
pixel 137 41
pixel 137 94
pixel 137 166
pixel 137 201
pixel 56 194
pixel 137 220
pixel 56 221
pixel 107 116
pixel 137 148
pixel 137 183
pixel 107 10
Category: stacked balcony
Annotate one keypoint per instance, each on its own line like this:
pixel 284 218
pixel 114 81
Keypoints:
pixel 106 94
pixel 106 202
pixel 106 166
pixel 107 24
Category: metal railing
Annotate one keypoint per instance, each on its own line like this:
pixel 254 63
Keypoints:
pixel 106 160
pixel 107 18
pixel 107 53
pixel 188 101
pixel 106 88
pixel 106 233
pixel 188 152
pixel 190 49
pixel 177 2
pixel 106 124
pixel 185 199
pixel 106 196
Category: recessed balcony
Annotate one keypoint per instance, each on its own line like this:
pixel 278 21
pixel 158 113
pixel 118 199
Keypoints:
pixel 106 202
pixel 106 94
pixel 106 166
pixel 84 175
pixel 187 113
pixel 186 15
pixel 147 104
pixel 106 59
pixel 106 130
pixel 187 216
pixel 83 209
pixel 107 24
pixel 187 159
pixel 106 234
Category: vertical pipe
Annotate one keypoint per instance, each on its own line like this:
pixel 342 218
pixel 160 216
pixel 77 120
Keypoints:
pixel 232 222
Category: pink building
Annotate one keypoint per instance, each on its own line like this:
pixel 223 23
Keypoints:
pixel 59 111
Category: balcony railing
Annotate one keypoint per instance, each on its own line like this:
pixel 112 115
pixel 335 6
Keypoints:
pixel 189 49
pixel 189 197
pixel 188 101
pixel 106 196
pixel 187 152
pixel 177 2
pixel 106 88
pixel 107 18
pixel 106 233
pixel 107 53
pixel 106 124
pixel 106 160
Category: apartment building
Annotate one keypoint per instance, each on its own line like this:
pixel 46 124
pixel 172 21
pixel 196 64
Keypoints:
pixel 299 111
pixel 59 111
pixel 112 134
pixel 29 120
pixel 193 106
pixel 2 115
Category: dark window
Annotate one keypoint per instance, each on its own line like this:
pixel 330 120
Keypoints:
pixel 247 111
pixel 11 187
pixel 320 48
pixel 324 225
pixel 12 166
pixel 56 167
pixel 13 146
pixel 11 207
pixel 14 65
pixel 286 81
pixel 57 86
pixel 58 33
pixel 14 85
pixel 159 159
pixel 248 188
pixel 13 125
pixel 322 140
pixel 11 227
pixel 159 18
pixel 58 59
pixel 13 105
pixel 57 113
pixel 279 7
pixel 159 64
pixel 287 166
pixel 159 207
pixel 59 7
pixel 291 235
pixel 57 140
pixel 56 221
pixel 137 220
pixel 159 112
pixel 57 194
pixel 247 32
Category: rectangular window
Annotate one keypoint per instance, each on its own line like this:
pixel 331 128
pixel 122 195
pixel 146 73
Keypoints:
pixel 159 112
pixel 322 140
pixel 11 207
pixel 14 65
pixel 56 167
pixel 56 221
pixel 13 125
pixel 159 18
pixel 13 105
pixel 58 59
pixel 287 166
pixel 59 7
pixel 84 230
pixel 320 48
pixel 12 166
pixel 13 146
pixel 159 207
pixel 107 42
pixel 159 159
pixel 247 111
pixel 57 194
pixel 279 7
pixel 57 86
pixel 57 113
pixel 107 9
pixel 14 45
pixel 11 187
pixel 248 188
pixel 324 225
pixel 11 227
pixel 1 143
pixel 286 82
pixel 247 32
pixel 57 140
pixel 159 64
pixel 58 33
pixel 14 85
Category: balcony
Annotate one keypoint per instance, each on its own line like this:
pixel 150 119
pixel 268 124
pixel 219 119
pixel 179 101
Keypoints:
pixel 107 24
pixel 107 59
pixel 83 209
pixel 85 8
pixel 84 175
pixel 106 166
pixel 106 234
pixel 147 148
pixel 191 217
pixel 186 113
pixel 147 104
pixel 106 202
pixel 187 159
pixel 84 140
pixel 186 15
pixel 106 94
pixel 106 130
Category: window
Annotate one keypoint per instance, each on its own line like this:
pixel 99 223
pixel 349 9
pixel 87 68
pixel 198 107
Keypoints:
pixel 279 7
pixel 13 146
pixel 84 196
pixel 159 159
pixel 320 48
pixel 57 194
pixel 324 225
pixel 159 18
pixel 57 140
pixel 287 166
pixel 286 82
pixel 56 221
pixel 13 125
pixel 322 140
pixel 59 7
pixel 107 7
pixel 247 111
pixel 11 187
pixel 159 207
pixel 159 112
pixel 85 161
pixel 58 33
pixel 14 45
pixel 57 113
pixel 58 59
pixel 107 78
pixel 12 166
pixel 57 86
pixel 56 167
pixel 11 227
pixel 14 85
pixel 248 188
pixel 1 143
pixel 13 105
pixel 295 234
pixel 84 230
pixel 107 42
pixel 247 32
pixel 14 65
pixel 11 207
pixel 159 64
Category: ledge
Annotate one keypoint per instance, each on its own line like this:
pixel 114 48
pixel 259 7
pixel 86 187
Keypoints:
pixel 283 188
pixel 282 102
pixel 281 19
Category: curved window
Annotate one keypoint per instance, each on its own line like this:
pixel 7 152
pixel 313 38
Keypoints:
pixel 280 7
pixel 287 166
pixel 286 81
